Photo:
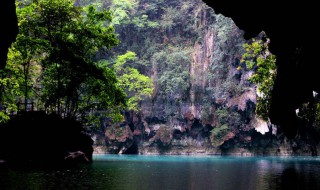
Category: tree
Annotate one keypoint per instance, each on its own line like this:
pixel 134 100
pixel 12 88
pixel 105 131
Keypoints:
pixel 28 51
pixel 10 78
pixel 258 58
pixel 136 85
pixel 64 39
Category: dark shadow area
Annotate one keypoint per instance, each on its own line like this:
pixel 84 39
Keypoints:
pixel 35 137
pixel 291 29
pixel 9 28
pixel 133 149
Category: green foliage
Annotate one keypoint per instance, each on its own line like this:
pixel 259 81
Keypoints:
pixel 173 66
pixel 9 89
pixel 218 134
pixel 224 28
pixel 124 12
pixel 223 116
pixel 228 117
pixel 258 58
pixel 62 39
pixel 28 50
pixel 169 18
pixel 228 120
pixel 136 85
pixel 121 10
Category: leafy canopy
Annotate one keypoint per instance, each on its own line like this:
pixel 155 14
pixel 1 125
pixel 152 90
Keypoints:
pixel 136 85
pixel 63 40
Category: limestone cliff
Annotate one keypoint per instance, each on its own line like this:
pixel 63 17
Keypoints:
pixel 203 101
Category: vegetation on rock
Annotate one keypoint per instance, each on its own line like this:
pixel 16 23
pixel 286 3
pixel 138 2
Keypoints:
pixel 258 58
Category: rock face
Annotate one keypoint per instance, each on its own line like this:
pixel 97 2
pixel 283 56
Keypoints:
pixel 208 105
pixel 203 102
pixel 202 98
pixel 119 138
pixel 35 137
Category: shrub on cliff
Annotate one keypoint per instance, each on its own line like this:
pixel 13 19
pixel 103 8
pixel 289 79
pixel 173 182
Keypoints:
pixel 218 134
pixel 258 58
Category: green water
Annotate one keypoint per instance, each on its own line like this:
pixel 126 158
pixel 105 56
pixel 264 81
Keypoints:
pixel 170 172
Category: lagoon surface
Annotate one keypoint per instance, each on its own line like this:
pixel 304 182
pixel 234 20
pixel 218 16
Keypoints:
pixel 170 172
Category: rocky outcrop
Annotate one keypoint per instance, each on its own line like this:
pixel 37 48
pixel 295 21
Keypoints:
pixel 77 156
pixel 119 138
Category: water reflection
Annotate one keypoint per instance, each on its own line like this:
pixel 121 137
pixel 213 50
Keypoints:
pixel 171 173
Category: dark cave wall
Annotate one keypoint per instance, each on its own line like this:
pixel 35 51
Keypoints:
pixel 9 28
pixel 290 27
